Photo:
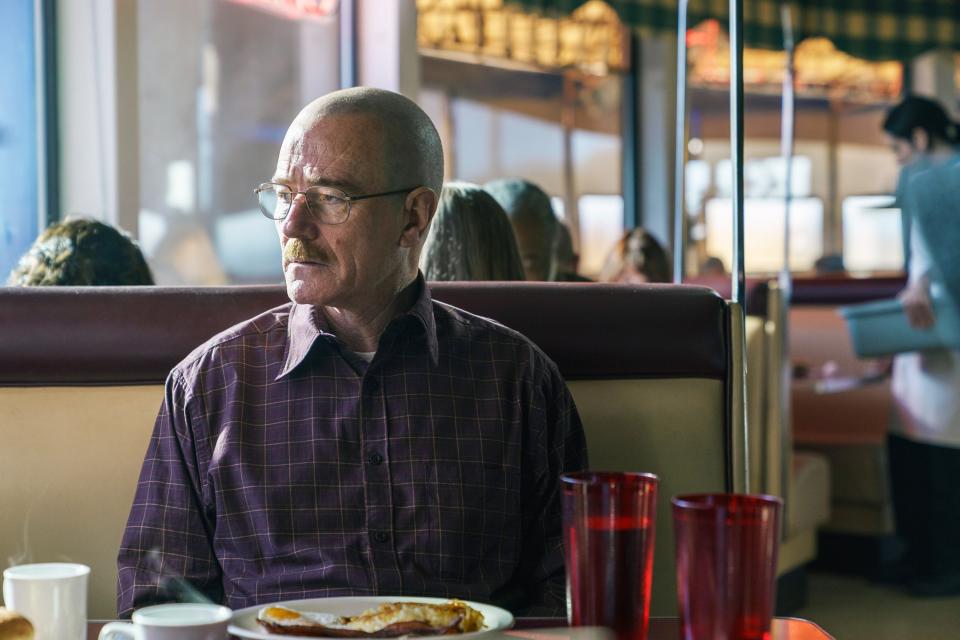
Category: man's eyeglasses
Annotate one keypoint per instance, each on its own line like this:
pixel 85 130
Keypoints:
pixel 328 204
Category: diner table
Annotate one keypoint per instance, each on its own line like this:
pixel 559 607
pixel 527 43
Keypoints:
pixel 660 629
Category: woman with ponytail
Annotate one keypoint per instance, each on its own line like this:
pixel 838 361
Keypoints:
pixel 921 135
pixel 924 443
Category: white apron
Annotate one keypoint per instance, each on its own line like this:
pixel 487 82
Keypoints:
pixel 926 385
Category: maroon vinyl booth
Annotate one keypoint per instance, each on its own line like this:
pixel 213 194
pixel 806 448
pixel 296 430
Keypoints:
pixel 81 373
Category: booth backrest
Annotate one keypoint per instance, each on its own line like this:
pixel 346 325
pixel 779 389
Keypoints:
pixel 81 373
pixel 754 291
pixel 840 289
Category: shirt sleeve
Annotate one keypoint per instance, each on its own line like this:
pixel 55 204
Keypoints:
pixel 559 445
pixel 167 542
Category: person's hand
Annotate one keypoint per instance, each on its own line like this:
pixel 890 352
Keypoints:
pixel 916 304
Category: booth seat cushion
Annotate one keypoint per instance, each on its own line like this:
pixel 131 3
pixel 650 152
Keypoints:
pixel 70 458
pixel 808 500
pixel 668 427
pixel 858 471
pixel 72 455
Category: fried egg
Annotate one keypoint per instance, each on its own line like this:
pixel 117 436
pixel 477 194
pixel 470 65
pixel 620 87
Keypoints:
pixel 284 617
pixel 388 620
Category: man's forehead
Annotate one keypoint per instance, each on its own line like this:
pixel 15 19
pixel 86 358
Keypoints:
pixel 339 151
pixel 332 130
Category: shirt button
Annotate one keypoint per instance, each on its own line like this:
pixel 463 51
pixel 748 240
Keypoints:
pixel 375 458
pixel 380 537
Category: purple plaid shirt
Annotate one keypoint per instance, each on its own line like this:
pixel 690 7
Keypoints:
pixel 283 466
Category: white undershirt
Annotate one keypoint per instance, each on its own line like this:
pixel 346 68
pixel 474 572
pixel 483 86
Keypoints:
pixel 367 355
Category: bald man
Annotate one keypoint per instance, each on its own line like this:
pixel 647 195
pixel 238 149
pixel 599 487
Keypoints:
pixel 361 439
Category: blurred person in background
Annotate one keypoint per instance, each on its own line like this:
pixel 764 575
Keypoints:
pixel 534 223
pixel 470 238
pixel 566 259
pixel 713 266
pixel 81 252
pixel 924 443
pixel 829 264
pixel 637 258
pixel 921 135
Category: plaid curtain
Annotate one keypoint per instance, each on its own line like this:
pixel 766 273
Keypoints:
pixel 869 29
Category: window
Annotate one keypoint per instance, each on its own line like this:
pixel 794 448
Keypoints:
pixel 220 81
pixel 601 226
pixel 872 234
pixel 763 233
pixel 19 139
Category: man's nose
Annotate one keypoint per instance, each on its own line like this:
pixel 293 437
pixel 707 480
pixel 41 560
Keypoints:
pixel 299 222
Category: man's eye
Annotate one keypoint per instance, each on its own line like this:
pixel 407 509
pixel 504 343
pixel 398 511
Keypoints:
pixel 326 199
pixel 283 195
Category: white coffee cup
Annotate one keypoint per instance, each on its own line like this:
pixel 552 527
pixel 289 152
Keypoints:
pixel 52 595
pixel 172 622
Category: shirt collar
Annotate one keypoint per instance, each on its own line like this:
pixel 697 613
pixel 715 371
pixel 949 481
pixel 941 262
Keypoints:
pixel 306 324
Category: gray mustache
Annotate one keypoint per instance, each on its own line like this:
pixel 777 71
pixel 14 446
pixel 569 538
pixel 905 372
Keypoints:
pixel 296 251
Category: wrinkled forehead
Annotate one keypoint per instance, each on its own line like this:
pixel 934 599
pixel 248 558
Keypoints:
pixel 341 150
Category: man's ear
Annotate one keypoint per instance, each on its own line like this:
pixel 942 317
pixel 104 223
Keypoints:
pixel 921 140
pixel 418 209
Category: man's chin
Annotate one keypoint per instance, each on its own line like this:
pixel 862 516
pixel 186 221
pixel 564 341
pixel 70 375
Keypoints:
pixel 303 292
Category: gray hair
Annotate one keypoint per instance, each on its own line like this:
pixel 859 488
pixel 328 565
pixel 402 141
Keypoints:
pixel 470 238
pixel 529 206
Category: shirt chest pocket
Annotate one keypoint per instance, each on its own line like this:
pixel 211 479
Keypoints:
pixel 475 519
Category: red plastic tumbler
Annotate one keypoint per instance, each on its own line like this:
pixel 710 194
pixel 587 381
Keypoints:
pixel 609 521
pixel 726 565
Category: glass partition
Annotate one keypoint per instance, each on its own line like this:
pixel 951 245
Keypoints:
pixel 19 141
pixel 219 83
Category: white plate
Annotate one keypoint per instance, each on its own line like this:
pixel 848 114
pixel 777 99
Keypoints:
pixel 244 622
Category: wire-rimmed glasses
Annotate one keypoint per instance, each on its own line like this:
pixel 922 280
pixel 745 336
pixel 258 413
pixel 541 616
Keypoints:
pixel 329 204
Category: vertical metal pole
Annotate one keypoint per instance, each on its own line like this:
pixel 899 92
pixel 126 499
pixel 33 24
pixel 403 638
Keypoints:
pixel 679 213
pixel 48 143
pixel 568 119
pixel 787 142
pixel 205 120
pixel 630 157
pixel 833 229
pixel 736 146
pixel 741 444
pixel 781 369
pixel 348 44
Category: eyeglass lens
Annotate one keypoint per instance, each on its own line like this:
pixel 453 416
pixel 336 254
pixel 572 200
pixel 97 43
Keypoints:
pixel 275 201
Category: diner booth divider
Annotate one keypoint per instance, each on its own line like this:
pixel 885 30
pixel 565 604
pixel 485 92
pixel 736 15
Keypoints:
pixel 652 369
pixel 800 476
pixel 841 408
